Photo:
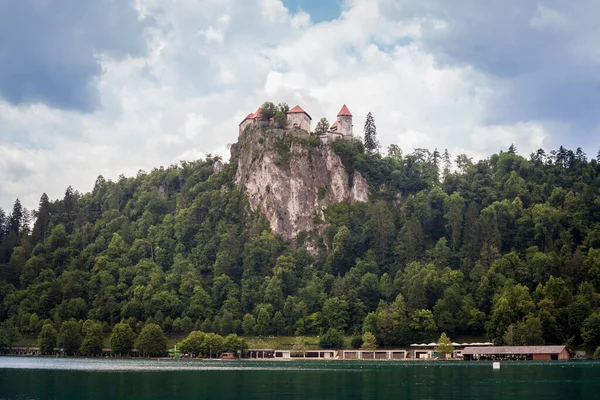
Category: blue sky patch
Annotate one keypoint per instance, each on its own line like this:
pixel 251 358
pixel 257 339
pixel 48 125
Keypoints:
pixel 319 10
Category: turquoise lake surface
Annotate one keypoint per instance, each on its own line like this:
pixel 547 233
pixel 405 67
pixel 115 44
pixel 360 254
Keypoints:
pixel 70 379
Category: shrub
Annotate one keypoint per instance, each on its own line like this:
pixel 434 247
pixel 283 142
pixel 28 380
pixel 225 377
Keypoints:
pixel 369 341
pixel 333 339
pixel 356 342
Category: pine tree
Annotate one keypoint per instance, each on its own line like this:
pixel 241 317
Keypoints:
pixel 369 341
pixel 435 161
pixel 3 224
pixel 444 345
pixel 15 219
pixel 371 143
pixel 42 221
pixel 447 162
pixel 435 158
pixel 26 218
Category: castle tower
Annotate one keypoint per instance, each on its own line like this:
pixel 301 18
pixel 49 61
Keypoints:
pixel 344 123
pixel 298 118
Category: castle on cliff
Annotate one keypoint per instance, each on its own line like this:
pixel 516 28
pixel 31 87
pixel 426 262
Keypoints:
pixel 297 118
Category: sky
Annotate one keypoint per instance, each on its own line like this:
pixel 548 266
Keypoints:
pixel 111 87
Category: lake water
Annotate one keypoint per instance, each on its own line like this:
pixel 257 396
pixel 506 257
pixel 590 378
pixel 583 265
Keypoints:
pixel 75 379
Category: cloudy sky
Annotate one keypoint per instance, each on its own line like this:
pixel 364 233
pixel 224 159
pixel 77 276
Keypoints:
pixel 114 86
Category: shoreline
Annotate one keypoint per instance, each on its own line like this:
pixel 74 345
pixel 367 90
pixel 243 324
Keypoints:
pixel 292 359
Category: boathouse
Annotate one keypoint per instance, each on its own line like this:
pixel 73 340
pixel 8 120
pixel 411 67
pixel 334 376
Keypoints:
pixel 535 353
pixel 425 351
pixel 287 354
pixel 373 354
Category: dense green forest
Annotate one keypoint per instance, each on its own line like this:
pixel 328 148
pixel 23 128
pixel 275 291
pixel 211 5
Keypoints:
pixel 507 247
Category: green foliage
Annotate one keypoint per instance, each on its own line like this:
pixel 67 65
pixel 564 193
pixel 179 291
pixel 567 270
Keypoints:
pixel 590 331
pixel 299 345
pixel 322 192
pixel 235 344
pixel 322 126
pixel 70 337
pixel 92 339
pixel 249 324
pixel 335 313
pixel 356 342
pixel 444 345
pixel 369 341
pixel 9 334
pixel 122 338
pixel 193 343
pixel 333 339
pixel 268 111
pixel 151 341
pixel 48 339
pixel 349 153
pixel 280 120
pixel 371 142
pixel 423 325
pixel 213 345
pixel 507 247
pixel 283 146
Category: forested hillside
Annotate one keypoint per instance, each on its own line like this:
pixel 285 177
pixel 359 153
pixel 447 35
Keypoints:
pixel 507 247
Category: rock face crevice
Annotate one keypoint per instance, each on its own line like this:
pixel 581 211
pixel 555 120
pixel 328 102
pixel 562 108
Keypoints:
pixel 292 179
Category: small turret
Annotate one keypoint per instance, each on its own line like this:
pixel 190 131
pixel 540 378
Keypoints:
pixel 344 123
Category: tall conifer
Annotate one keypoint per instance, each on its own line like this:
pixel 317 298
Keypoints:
pixel 371 143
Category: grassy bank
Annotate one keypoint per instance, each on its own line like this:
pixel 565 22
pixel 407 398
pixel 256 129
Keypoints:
pixel 254 342
pixel 260 342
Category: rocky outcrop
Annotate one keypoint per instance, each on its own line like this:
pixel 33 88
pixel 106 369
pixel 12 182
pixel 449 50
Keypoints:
pixel 292 178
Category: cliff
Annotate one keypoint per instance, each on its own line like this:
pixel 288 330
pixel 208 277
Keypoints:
pixel 291 178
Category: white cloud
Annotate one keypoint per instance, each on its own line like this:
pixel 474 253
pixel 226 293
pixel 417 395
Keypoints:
pixel 301 20
pixel 186 98
pixel 527 137
pixel 547 18
pixel 272 10
pixel 212 35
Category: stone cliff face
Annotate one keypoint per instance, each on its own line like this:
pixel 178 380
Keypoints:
pixel 292 178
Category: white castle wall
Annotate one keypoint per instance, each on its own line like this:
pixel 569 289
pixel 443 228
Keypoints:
pixel 299 119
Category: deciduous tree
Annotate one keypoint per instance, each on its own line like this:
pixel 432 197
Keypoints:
pixel 151 341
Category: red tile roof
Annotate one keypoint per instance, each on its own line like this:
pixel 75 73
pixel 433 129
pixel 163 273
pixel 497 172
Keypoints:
pixel 250 116
pixel 334 126
pixel 299 110
pixel 296 109
pixel 344 112
pixel 489 350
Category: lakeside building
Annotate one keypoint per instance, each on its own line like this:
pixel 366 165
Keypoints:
pixel 373 354
pixel 535 353
pixel 426 351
